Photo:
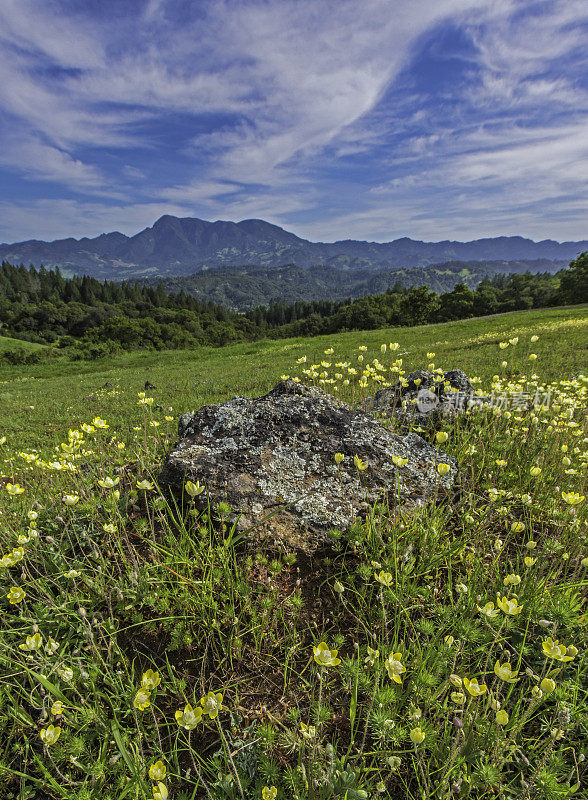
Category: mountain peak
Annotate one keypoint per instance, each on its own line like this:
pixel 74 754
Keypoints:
pixel 184 245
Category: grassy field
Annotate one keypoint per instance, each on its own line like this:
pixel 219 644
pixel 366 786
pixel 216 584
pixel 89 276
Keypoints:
pixel 41 402
pixel 7 343
pixel 147 652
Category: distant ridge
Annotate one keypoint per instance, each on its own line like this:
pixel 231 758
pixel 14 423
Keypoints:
pixel 183 246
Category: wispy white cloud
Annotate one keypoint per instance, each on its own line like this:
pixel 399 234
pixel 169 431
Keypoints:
pixel 304 112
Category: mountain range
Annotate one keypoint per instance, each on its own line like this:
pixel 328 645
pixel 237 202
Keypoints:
pixel 176 246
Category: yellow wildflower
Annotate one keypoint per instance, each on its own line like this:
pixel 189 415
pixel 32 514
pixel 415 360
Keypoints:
pixel 189 717
pixel 509 606
pixel 395 667
pixel 141 700
pixel 473 687
pixel 193 489
pixel 160 791
pixel 417 736
pixel 212 703
pixel 325 657
pixel 33 642
pixel 150 680
pixel 50 735
pixel 385 578
pixel 157 771
pixel 505 673
pixel 557 651
pixel 16 594
pixel 572 498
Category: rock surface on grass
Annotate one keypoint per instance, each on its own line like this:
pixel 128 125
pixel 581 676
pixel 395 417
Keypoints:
pixel 274 455
pixel 426 398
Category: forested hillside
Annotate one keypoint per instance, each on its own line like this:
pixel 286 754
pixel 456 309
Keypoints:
pixel 243 288
pixel 91 319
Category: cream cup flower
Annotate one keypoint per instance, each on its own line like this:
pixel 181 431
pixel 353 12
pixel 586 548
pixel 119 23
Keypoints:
pixel 473 687
pixel 211 704
pixel 144 485
pixel 547 685
pixel 441 436
pixel 33 642
pixel 50 734
pixel 193 489
pixel 443 469
pixel 505 673
pixel 16 595
pixel 509 606
pixel 325 657
pixel 395 667
pixel 417 736
pixel 57 708
pixel 360 465
pixel 559 652
pixel 488 610
pixel 66 673
pixel 141 699
pixel 385 578
pixel 108 483
pixel 269 793
pixel 458 698
pixel 150 680
pixel 70 499
pixel 51 646
pixel 160 791
pixel 572 498
pixel 189 717
pixel 14 489
pixel 157 771
pixel 501 717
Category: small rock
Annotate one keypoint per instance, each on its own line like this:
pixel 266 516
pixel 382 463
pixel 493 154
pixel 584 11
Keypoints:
pixel 425 400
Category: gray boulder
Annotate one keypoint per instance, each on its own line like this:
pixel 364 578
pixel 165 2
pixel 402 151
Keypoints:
pixel 426 399
pixel 271 459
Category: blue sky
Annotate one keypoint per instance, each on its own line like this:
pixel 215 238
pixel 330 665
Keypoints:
pixel 363 119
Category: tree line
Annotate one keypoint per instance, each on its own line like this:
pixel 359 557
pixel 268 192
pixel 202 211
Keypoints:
pixel 93 318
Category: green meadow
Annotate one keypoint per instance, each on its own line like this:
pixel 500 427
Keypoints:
pixel 150 651
pixel 61 392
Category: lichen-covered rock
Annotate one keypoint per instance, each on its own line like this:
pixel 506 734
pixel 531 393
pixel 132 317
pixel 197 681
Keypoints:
pixel 274 455
pixel 425 398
